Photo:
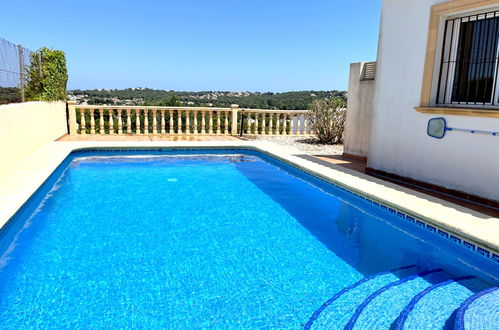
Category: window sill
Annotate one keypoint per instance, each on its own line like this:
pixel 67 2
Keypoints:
pixel 473 112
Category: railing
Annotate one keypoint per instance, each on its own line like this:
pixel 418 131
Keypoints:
pixel 274 122
pixel 147 120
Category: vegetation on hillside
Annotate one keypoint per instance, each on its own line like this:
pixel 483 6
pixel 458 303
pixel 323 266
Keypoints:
pixel 255 100
pixel 10 95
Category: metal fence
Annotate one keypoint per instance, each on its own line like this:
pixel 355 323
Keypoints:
pixel 14 61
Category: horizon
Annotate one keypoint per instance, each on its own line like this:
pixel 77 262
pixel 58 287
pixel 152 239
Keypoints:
pixel 197 46
pixel 205 91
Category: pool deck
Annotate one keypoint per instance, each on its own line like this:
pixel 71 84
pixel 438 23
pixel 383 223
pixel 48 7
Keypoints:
pixel 359 165
pixel 18 182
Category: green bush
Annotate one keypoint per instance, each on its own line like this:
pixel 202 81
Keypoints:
pixel 327 119
pixel 49 84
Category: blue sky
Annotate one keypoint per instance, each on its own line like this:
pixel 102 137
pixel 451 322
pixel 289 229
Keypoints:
pixel 196 45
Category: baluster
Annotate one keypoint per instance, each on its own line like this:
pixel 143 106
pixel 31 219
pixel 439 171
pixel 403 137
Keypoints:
pixel 146 121
pixel 277 124
pixel 210 123
pixel 264 117
pixel 284 123
pixel 83 124
pixel 120 123
pixel 302 124
pixel 154 122
pixel 163 122
pixel 256 123
pixel 291 123
pixel 248 123
pixel 171 122
pixel 271 122
pixel 101 121
pixel 203 122
pixel 137 121
pixel 195 128
pixel 92 122
pixel 297 126
pixel 218 123
pixel 226 123
pixel 128 121
pixel 187 122
pixel 111 121
pixel 179 115
pixel 247 116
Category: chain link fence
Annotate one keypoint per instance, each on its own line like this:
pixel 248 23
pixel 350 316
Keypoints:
pixel 14 61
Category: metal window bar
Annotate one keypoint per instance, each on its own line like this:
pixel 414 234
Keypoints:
pixel 469 61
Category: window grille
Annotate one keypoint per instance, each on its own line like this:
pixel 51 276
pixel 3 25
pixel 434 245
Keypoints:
pixel 469 69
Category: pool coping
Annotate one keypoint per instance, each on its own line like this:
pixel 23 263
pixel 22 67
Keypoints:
pixel 20 181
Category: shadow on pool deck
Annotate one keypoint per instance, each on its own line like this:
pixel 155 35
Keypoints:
pixel 359 165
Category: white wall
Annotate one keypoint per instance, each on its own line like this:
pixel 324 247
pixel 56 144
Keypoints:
pixel 24 127
pixel 399 144
pixel 359 113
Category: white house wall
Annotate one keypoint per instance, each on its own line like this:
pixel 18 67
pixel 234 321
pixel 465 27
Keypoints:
pixel 399 143
pixel 359 113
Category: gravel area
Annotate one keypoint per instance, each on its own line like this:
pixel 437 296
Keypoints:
pixel 306 145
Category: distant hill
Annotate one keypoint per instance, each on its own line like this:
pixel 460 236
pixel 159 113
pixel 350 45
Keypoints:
pixel 255 100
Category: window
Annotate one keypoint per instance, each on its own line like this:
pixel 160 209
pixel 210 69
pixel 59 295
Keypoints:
pixel 469 65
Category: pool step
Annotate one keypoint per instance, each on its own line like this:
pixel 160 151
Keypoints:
pixel 337 310
pixel 382 307
pixel 434 307
pixel 401 299
pixel 479 311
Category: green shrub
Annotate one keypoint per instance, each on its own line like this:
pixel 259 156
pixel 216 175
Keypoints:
pixel 49 84
pixel 327 119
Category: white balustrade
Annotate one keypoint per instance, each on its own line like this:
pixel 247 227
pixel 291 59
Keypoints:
pixel 185 120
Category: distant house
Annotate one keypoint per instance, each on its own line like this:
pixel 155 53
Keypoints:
pixel 436 59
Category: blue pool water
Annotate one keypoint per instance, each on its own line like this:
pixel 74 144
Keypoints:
pixel 205 239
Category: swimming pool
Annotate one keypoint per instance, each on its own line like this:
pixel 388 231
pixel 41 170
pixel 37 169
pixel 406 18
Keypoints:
pixel 222 239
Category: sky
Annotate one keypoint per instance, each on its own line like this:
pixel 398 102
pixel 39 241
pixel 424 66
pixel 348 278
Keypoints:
pixel 195 45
